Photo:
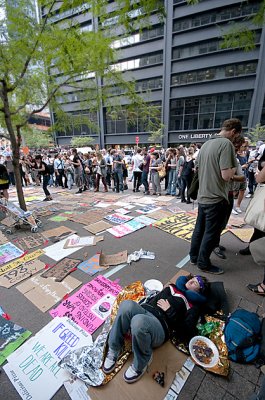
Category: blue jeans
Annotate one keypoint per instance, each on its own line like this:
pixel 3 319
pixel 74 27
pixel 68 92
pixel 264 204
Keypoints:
pixel 145 181
pixel 207 231
pixel 118 178
pixel 146 330
pixel 172 182
pixel 45 183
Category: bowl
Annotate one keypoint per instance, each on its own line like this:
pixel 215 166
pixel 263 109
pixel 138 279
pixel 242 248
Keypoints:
pixel 208 343
pixel 153 284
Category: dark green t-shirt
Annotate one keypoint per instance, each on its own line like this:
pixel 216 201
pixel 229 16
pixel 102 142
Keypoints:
pixel 215 155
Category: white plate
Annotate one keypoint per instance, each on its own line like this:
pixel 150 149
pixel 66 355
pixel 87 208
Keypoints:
pixel 210 344
pixel 153 284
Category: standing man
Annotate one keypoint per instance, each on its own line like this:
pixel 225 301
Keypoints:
pixel 78 171
pixel 216 165
pixel 146 165
pixel 59 170
pixel 118 171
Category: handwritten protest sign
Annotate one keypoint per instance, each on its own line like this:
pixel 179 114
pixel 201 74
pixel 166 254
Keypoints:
pixel 126 229
pixel 118 218
pixel 11 337
pixel 57 251
pixel 31 241
pixel 8 252
pixel 61 269
pixel 91 305
pixel 180 225
pixel 33 368
pixel 91 266
pixel 148 209
pixel 59 232
pixel 45 292
pixel 145 220
pixel 27 257
pixel 21 272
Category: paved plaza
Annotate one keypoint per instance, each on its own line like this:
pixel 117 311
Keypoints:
pixel 171 255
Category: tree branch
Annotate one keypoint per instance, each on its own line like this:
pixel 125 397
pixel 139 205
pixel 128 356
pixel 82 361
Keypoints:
pixel 24 70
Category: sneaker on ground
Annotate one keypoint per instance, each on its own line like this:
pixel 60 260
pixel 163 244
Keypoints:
pixel 110 361
pixel 212 270
pixel 234 212
pixel 218 252
pixel 131 375
pixel 249 195
pixel 238 210
pixel 245 251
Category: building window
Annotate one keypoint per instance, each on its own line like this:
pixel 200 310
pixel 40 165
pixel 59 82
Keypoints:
pixel 208 112
pixel 210 74
pixel 149 59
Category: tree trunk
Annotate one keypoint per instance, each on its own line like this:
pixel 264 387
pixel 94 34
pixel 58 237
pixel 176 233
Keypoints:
pixel 19 188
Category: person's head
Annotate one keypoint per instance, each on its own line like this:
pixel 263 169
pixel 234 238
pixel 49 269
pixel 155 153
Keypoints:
pixel 181 151
pixel 155 155
pixel 197 283
pixel 231 128
pixel 113 152
pixel 172 152
pixel 191 151
pixel 238 142
pixel 139 151
pixel 38 158
pixel 74 152
pixel 99 156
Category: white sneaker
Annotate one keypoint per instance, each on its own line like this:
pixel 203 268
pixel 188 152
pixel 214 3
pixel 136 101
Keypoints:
pixel 234 212
pixel 238 210
pixel 131 375
pixel 110 361
pixel 249 195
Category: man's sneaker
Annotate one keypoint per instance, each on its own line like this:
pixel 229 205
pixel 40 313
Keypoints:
pixel 193 262
pixel 110 361
pixel 79 191
pixel 218 252
pixel 245 251
pixel 131 375
pixel 234 212
pixel 238 210
pixel 212 270
pixel 249 195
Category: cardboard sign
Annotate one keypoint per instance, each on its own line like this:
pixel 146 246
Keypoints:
pixel 27 257
pixel 97 227
pixel 11 337
pixel 8 221
pixel 79 242
pixel 60 270
pixel 92 266
pixel 58 232
pixel 8 252
pixel 33 369
pixel 31 241
pixel 91 305
pixel 3 238
pixel 243 234
pixel 126 229
pixel 114 259
pixel 57 251
pixel 148 209
pixel 45 292
pixel 180 225
pixel 118 218
pixel 23 271
pixel 143 219
pixel 160 214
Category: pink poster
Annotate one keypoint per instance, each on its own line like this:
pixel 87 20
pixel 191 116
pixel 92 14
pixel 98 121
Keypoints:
pixel 91 305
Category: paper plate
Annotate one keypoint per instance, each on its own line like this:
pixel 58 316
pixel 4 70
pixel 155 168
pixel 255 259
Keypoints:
pixel 153 284
pixel 209 343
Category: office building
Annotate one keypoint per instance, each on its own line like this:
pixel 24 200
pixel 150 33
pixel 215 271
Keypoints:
pixel 182 68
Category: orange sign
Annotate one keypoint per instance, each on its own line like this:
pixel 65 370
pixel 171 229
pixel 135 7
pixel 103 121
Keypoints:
pixel 25 150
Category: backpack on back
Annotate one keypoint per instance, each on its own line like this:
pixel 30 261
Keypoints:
pixel 242 336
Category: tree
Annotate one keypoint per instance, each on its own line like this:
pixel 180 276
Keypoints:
pixel 35 138
pixel 156 136
pixel 41 62
pixel 257 133
pixel 82 141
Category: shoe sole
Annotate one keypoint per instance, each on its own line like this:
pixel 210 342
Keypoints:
pixel 207 271
pixel 140 376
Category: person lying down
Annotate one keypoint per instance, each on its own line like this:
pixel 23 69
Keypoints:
pixel 176 308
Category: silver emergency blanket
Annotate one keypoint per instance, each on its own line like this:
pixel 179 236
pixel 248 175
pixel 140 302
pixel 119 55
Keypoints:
pixel 85 363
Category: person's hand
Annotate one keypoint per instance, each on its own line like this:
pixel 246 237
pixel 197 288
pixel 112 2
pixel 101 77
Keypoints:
pixel 164 304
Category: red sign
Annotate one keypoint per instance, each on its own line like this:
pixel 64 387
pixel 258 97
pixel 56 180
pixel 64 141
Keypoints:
pixel 137 139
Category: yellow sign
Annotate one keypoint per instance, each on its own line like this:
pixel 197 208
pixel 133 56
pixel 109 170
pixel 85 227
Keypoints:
pixel 180 225
pixel 28 257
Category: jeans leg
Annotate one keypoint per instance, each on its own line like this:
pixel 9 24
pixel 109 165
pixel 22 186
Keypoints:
pixel 174 183
pixel 147 333
pixel 215 214
pixel 197 235
pixel 120 177
pixel 183 188
pixel 169 183
pixel 144 181
pixel 45 184
pixel 157 182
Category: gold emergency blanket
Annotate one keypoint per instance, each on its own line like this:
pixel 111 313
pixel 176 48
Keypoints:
pixel 217 336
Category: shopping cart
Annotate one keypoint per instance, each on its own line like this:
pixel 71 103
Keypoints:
pixel 18 217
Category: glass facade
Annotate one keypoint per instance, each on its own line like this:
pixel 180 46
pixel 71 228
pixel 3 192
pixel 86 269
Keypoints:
pixel 210 74
pixel 122 124
pixel 219 15
pixel 208 112
pixel 140 62
pixel 139 37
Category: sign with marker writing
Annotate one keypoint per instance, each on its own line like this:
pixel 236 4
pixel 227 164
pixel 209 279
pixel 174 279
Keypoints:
pixel 91 305
pixel 33 368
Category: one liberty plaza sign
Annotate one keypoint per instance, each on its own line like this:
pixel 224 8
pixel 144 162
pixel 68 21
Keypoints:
pixel 193 137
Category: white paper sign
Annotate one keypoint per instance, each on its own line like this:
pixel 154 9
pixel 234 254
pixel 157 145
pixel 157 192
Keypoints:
pixel 33 368
pixel 77 390
pixel 57 252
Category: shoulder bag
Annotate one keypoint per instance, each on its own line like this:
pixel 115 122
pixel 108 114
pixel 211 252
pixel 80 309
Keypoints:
pixel 255 212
